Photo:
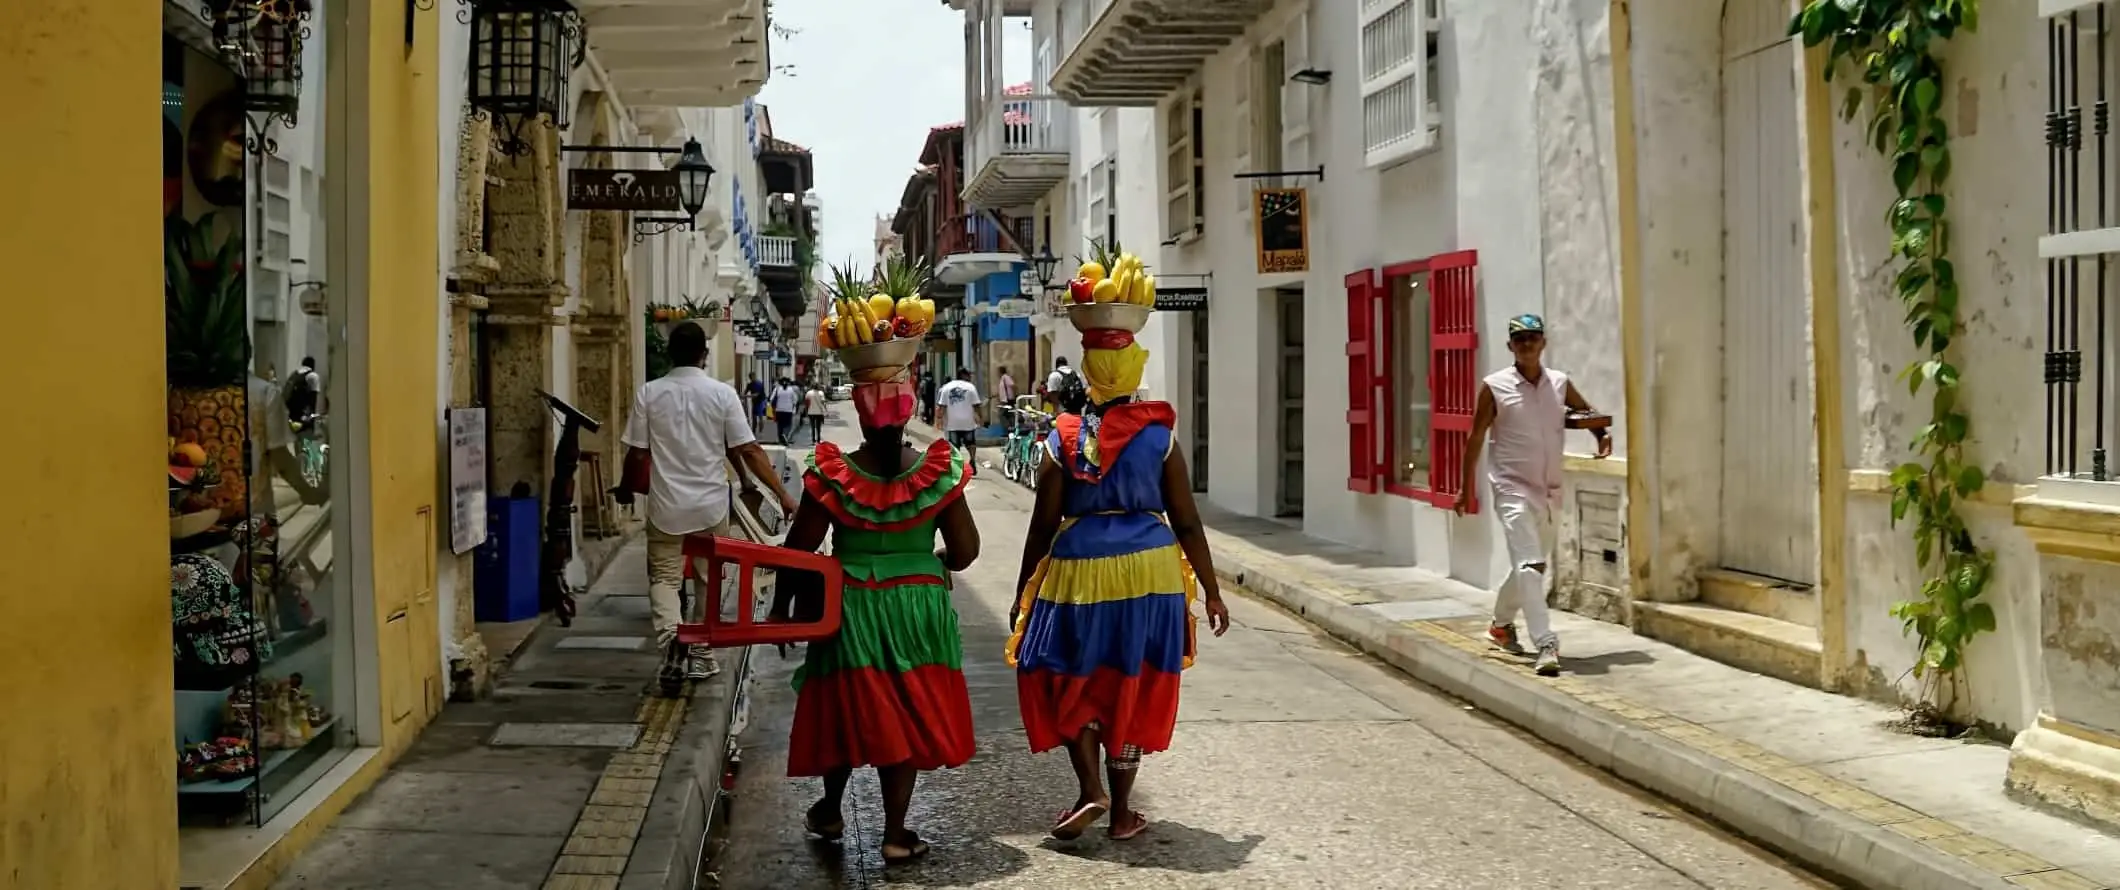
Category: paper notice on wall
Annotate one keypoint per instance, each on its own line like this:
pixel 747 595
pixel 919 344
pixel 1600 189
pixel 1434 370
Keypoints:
pixel 467 478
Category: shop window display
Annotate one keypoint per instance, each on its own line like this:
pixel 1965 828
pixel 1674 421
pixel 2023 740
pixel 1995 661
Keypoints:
pixel 260 713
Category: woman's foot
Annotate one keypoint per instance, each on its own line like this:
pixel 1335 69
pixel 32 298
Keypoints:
pixel 1127 825
pixel 824 821
pixel 903 847
pixel 1078 820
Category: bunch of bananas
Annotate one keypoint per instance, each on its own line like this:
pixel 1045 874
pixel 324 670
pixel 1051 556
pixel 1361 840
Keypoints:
pixel 888 308
pixel 1128 281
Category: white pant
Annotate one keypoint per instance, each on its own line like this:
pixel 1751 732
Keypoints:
pixel 666 573
pixel 1528 532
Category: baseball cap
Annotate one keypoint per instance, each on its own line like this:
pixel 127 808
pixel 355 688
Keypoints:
pixel 1527 324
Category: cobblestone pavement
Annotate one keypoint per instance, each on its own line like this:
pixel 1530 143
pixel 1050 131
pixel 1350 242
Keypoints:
pixel 1298 763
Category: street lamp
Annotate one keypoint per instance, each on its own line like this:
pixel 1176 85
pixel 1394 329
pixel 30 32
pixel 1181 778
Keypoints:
pixel 1044 263
pixel 693 175
pixel 262 42
pixel 522 52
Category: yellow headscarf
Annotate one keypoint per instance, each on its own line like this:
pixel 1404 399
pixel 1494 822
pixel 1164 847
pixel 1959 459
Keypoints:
pixel 1113 373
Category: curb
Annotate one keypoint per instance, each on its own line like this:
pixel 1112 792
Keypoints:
pixel 1760 808
pixel 672 846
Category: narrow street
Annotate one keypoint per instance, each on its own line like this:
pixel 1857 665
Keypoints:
pixel 1298 763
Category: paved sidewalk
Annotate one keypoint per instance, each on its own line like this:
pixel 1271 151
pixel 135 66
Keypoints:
pixel 1818 776
pixel 572 776
pixel 1298 763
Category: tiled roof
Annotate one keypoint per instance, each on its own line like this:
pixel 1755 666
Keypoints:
pixel 777 144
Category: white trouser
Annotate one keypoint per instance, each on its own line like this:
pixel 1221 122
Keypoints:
pixel 666 573
pixel 1528 532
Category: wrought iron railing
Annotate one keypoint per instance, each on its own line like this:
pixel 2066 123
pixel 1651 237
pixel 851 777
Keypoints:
pixel 2083 236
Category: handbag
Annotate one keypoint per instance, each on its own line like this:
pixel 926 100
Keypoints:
pixel 633 477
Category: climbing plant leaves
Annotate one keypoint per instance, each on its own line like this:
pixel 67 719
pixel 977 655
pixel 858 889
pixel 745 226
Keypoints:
pixel 1895 48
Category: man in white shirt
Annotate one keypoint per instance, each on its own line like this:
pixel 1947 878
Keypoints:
pixel 813 405
pixel 1526 407
pixel 692 428
pixel 787 408
pixel 962 415
pixel 1065 391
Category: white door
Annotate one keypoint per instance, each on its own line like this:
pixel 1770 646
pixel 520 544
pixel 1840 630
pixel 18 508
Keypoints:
pixel 1769 461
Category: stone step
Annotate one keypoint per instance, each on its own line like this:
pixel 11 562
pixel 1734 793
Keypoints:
pixel 1760 595
pixel 1780 649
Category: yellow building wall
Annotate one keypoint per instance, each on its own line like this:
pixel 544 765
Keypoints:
pixel 87 757
pixel 403 367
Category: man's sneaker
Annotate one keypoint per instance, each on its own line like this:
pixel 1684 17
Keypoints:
pixel 700 664
pixel 1504 637
pixel 1549 660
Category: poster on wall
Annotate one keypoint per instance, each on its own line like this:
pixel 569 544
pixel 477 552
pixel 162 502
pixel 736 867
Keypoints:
pixel 1284 229
pixel 467 478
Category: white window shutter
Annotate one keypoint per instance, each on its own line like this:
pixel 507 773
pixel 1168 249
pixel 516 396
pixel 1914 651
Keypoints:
pixel 1393 51
pixel 1295 97
pixel 1239 129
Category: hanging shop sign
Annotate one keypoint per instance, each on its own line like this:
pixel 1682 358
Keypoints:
pixel 745 344
pixel 1016 308
pixel 467 479
pixel 1284 229
pixel 1181 299
pixel 637 191
pixel 1027 282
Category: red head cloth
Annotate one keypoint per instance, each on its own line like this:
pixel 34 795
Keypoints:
pixel 1107 338
pixel 884 405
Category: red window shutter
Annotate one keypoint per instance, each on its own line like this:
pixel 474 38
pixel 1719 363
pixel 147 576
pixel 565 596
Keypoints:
pixel 1453 368
pixel 1361 382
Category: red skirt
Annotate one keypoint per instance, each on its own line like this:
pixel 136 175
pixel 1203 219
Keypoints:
pixel 1141 710
pixel 864 717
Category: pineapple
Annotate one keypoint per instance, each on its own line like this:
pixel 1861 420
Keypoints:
pixel 207 327
pixel 905 281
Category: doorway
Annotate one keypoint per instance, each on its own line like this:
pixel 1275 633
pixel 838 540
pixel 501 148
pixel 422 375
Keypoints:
pixel 1200 403
pixel 1288 404
pixel 1769 478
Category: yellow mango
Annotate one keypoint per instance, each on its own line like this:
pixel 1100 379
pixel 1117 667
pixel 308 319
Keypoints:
pixel 1092 271
pixel 880 307
pixel 1106 291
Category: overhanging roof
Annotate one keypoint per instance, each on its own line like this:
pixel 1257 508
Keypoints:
pixel 680 53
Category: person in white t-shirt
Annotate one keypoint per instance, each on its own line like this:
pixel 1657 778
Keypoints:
pixel 787 408
pixel 813 403
pixel 962 413
pixel 692 427
pixel 1526 407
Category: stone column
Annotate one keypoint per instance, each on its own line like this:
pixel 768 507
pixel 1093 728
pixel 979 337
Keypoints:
pixel 526 241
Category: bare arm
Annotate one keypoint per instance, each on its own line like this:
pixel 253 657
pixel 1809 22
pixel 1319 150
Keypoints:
pixel 1576 402
pixel 812 522
pixel 1185 521
pixel 1482 419
pixel 754 459
pixel 960 535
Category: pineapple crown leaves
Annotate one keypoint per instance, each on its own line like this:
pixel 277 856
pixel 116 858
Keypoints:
pixel 903 277
pixel 205 317
pixel 847 283
pixel 1102 252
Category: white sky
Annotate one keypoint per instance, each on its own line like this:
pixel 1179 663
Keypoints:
pixel 871 77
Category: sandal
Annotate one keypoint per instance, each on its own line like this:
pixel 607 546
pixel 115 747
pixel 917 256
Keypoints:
pixel 902 853
pixel 1074 822
pixel 1134 831
pixel 825 831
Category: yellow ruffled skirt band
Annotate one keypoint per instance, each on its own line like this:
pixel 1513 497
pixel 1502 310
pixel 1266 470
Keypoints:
pixel 1144 580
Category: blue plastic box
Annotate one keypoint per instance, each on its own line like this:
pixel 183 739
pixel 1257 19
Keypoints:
pixel 505 585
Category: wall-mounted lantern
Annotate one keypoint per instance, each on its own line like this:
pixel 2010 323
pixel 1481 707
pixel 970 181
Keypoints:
pixel 693 176
pixel 261 40
pixel 1045 264
pixel 522 52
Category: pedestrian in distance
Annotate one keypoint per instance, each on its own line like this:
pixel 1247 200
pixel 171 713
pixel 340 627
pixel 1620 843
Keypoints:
pixel 1114 559
pixel 787 409
pixel 813 403
pixel 963 414
pixel 687 429
pixel 888 690
pixel 1527 408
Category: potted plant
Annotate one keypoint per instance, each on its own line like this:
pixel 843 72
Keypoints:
pixel 206 326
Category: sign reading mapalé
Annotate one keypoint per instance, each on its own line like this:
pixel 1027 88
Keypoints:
pixel 1284 229
pixel 634 190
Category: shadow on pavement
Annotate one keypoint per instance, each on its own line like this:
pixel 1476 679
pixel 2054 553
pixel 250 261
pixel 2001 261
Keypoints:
pixel 1168 846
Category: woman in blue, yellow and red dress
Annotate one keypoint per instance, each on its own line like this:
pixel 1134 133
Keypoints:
pixel 1114 557
pixel 888 691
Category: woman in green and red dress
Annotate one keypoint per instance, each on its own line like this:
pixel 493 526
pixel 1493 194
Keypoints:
pixel 888 691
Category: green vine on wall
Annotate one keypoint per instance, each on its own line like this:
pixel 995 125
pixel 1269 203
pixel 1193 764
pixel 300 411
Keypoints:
pixel 1894 46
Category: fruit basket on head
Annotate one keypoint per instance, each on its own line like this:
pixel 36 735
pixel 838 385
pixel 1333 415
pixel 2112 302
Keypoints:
pixel 1111 292
pixel 876 325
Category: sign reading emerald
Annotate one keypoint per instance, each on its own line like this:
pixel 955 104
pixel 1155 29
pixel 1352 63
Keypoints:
pixel 639 191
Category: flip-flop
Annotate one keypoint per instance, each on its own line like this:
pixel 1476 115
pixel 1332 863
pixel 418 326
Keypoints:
pixel 913 852
pixel 1079 820
pixel 1140 825
pixel 830 832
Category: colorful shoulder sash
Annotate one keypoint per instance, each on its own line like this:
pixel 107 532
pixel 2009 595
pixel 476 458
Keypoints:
pixel 1084 447
pixel 859 500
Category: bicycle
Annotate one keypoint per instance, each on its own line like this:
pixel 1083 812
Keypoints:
pixel 1019 454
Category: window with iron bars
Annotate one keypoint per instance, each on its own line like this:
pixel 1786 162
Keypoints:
pixel 2079 248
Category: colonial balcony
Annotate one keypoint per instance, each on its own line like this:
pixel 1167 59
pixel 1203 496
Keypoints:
pixel 785 167
pixel 776 251
pixel 679 53
pixel 1017 149
pixel 1135 52
pixel 972 247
